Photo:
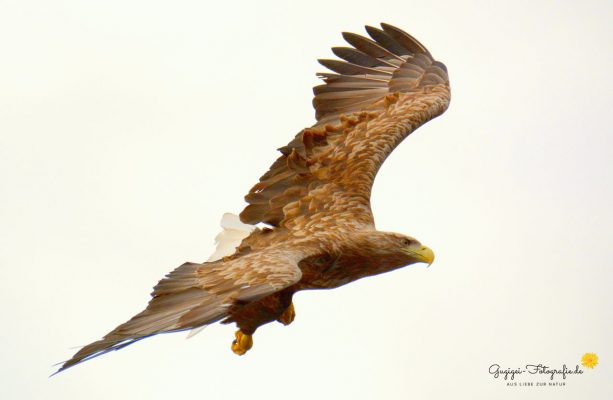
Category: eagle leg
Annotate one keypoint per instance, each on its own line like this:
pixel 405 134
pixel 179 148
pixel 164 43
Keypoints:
pixel 288 315
pixel 242 343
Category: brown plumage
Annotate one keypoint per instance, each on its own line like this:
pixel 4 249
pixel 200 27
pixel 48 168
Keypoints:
pixel 315 198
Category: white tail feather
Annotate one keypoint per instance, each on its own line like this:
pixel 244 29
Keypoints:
pixel 233 233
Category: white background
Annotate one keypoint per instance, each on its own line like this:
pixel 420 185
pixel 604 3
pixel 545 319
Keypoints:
pixel 127 128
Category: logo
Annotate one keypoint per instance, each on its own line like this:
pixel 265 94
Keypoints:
pixel 542 374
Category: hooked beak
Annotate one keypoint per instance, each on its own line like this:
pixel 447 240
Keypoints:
pixel 423 254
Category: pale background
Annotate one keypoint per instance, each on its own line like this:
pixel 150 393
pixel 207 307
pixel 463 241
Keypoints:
pixel 127 128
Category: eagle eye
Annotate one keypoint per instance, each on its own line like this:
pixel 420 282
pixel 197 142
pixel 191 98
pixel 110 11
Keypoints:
pixel 406 242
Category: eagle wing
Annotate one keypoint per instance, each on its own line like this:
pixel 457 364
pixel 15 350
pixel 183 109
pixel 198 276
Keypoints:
pixel 386 88
pixel 194 295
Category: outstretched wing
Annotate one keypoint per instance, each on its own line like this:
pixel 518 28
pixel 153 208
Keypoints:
pixel 386 88
pixel 194 295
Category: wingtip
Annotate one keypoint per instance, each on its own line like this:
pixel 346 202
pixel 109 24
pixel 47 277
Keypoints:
pixel 351 37
pixel 60 369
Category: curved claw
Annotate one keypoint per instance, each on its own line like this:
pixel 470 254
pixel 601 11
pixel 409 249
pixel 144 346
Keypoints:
pixel 288 315
pixel 242 343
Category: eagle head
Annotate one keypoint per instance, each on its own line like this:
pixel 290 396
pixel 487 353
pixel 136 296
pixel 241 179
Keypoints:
pixel 394 249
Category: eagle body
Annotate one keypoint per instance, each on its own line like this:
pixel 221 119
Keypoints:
pixel 343 257
pixel 315 199
pixel 322 271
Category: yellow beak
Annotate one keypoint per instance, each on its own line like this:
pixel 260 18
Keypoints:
pixel 423 254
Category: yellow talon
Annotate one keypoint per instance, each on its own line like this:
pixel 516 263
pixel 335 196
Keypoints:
pixel 288 315
pixel 242 343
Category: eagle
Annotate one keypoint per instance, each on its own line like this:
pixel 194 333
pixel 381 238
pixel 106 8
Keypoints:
pixel 315 228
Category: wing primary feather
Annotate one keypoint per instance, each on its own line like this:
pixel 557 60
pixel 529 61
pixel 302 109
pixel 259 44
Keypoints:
pixel 328 77
pixel 386 41
pixel 342 94
pixel 368 46
pixel 346 87
pixel 405 39
pixel 357 57
pixel 345 68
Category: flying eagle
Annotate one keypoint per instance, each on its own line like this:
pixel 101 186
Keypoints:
pixel 314 199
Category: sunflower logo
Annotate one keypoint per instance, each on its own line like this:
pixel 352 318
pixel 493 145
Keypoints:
pixel 589 360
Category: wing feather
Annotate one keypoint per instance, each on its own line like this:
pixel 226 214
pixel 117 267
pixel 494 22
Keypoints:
pixel 386 41
pixel 404 39
pixel 354 56
pixel 368 46
pixel 194 295
pixel 384 89
pixel 347 68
